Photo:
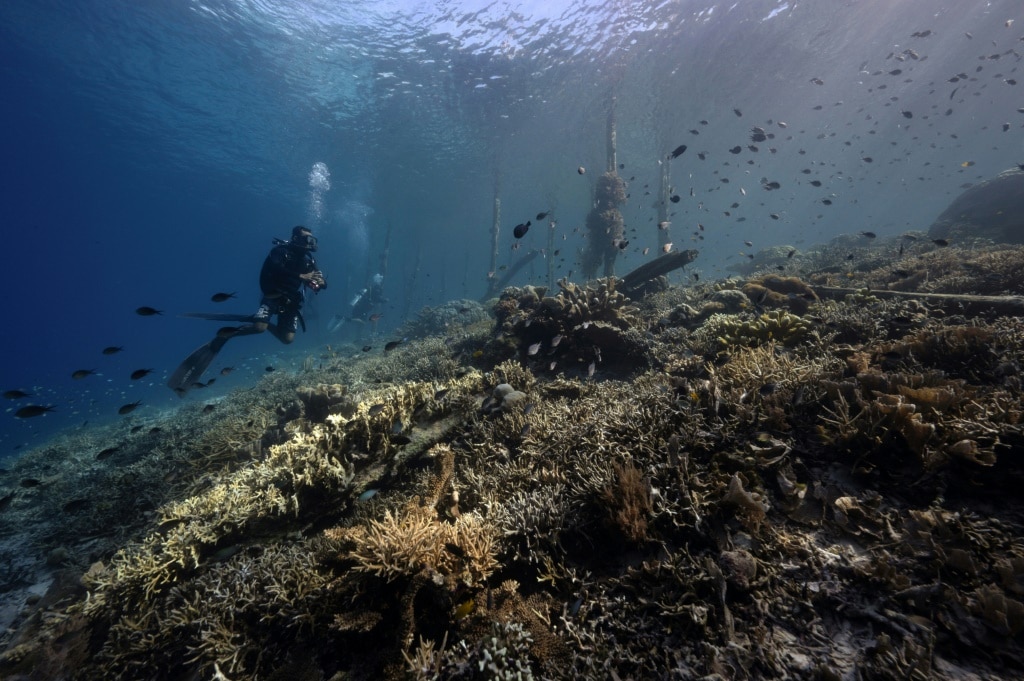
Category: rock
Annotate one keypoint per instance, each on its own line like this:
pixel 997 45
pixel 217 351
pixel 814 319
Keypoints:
pixel 993 209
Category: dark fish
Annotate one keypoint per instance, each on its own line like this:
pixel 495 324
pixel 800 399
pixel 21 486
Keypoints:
pixel 674 198
pixel 827 202
pixel 815 183
pixel 868 159
pixel 678 151
pixel 82 373
pixel 455 550
pixel 128 408
pixel 941 243
pixel 921 34
pixel 895 72
pixel 737 112
pixel 907 114
pixel 76 505
pixel 367 348
pixel 106 453
pixel 791 253
pixel 868 235
pixel 702 156
pixel 440 394
pixel 541 216
pixel 139 373
pixel 771 185
pixel 1006 126
pixel 30 482
pixel 208 408
pixel 773 216
pixel 147 311
pixel 33 410
pixel 226 370
pixel 221 297
pixel 375 409
pixel 391 345
pixel 696 277
pixel 112 350
pixel 268 368
pixel 817 81
pixel 767 389
pixel 520 230
pixel 16 394
pixel 735 150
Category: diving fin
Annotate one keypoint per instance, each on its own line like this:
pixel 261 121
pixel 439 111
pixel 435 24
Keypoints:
pixel 194 365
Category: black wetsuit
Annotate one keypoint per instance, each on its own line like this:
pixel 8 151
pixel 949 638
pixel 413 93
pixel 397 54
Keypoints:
pixel 282 288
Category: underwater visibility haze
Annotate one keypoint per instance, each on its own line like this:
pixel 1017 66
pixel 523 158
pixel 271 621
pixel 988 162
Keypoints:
pixel 475 173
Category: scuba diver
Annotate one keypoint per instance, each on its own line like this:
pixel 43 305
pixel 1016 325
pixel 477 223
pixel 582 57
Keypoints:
pixel 288 270
pixel 362 304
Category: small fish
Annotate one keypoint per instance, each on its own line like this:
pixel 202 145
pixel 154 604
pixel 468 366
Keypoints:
pixel 375 316
pixel 146 311
pixel 678 151
pixel 868 235
pixel 33 410
pixel 664 224
pixel 533 349
pixel 647 250
pixel 556 340
pixel 666 247
pixel 455 550
pixel 128 408
pixel 391 345
pixel 868 159
pixel 82 373
pixel 140 373
pixel 440 394
pixel 767 389
pixel 791 253
pixel 542 215
pixel 375 409
pixel 967 164
pixel 520 230
pixel 16 394
pixel 817 81
pixel 735 150
pixel 112 350
pixel 941 243
pixel 737 112
pixel 907 114
pixel 696 276
pixel 773 216
pixel 815 183
pixel 268 368
pixel 226 370
pixel 675 198
pixel 208 408
pixel 30 482
pixel 106 453
pixel 368 494
pixel 367 348
pixel 581 170
pixel 221 297
pixel 590 369
pixel 827 202
pixel 748 244
pixel 465 609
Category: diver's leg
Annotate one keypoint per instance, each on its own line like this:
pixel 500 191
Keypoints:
pixel 287 325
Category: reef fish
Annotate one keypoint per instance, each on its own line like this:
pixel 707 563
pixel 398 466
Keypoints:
pixel 520 230
pixel 221 297
pixel 33 410
pixel 129 408
pixel 147 311
pixel 140 373
pixel 678 151
pixel 16 394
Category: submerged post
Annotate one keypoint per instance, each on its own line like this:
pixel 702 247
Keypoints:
pixel 605 226
pixel 664 236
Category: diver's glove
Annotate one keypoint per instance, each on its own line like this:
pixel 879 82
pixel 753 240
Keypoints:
pixel 316 281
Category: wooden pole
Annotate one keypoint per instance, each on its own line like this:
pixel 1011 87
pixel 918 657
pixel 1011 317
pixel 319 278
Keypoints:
pixel 612 139
pixel 664 235
pixel 551 255
pixel 1008 305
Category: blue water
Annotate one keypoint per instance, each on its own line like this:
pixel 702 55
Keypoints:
pixel 151 151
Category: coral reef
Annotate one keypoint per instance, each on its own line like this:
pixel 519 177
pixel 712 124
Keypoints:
pixel 581 324
pixel 701 488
